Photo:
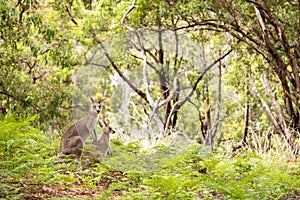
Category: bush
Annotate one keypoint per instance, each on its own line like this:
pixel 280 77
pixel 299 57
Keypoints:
pixel 29 164
pixel 20 142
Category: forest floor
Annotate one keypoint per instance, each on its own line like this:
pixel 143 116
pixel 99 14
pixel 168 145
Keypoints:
pixel 80 190
pixel 189 175
pixel 30 168
pixel 32 191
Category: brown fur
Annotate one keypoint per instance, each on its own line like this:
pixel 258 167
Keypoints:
pixel 72 143
pixel 73 140
pixel 101 147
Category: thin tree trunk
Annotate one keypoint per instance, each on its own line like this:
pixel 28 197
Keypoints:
pixel 177 94
pixel 163 76
pixel 247 116
pixel 207 120
pixel 214 128
pixel 243 142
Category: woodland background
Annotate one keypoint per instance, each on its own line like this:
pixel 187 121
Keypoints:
pixel 225 73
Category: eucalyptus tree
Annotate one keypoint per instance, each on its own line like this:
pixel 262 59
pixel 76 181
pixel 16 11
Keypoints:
pixel 156 47
pixel 37 52
pixel 269 29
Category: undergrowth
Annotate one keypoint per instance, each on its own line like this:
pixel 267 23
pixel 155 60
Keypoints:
pixel 31 168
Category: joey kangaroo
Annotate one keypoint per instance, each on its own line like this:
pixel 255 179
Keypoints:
pixel 101 147
pixel 73 140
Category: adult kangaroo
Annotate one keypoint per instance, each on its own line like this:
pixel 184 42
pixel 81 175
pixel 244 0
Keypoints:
pixel 73 140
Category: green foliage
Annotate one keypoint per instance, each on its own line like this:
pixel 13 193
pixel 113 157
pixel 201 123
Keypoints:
pixel 22 146
pixel 16 138
pixel 211 175
pixel 43 44
pixel 133 147
pixel 36 55
pixel 28 158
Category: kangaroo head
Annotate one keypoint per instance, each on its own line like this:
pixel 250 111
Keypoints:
pixel 107 129
pixel 96 105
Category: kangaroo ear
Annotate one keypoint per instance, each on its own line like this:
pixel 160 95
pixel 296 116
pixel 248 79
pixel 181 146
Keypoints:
pixel 92 100
pixel 107 122
pixel 101 124
pixel 101 100
pixel 104 123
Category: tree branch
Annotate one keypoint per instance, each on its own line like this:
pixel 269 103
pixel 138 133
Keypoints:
pixel 125 15
pixel 70 15
pixel 116 68
pixel 203 73
pixel 21 100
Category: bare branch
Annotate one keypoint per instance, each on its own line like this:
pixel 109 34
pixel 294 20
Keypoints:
pixel 273 102
pixel 169 117
pixel 177 105
pixel 125 15
pixel 201 76
pixel 149 64
pixel 267 111
pixel 170 97
pixel 97 65
pixel 116 68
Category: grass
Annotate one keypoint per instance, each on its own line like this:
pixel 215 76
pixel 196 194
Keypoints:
pixel 31 169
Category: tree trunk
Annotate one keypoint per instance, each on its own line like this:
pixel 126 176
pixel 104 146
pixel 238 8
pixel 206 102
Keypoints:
pixel 207 119
pixel 214 128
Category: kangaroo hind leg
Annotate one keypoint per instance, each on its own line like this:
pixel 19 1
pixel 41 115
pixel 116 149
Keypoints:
pixel 74 147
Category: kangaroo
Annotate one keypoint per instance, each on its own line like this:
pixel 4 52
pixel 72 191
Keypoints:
pixel 73 140
pixel 101 147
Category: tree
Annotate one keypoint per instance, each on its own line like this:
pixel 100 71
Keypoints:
pixel 37 53
pixel 40 51
pixel 165 63
pixel 267 28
